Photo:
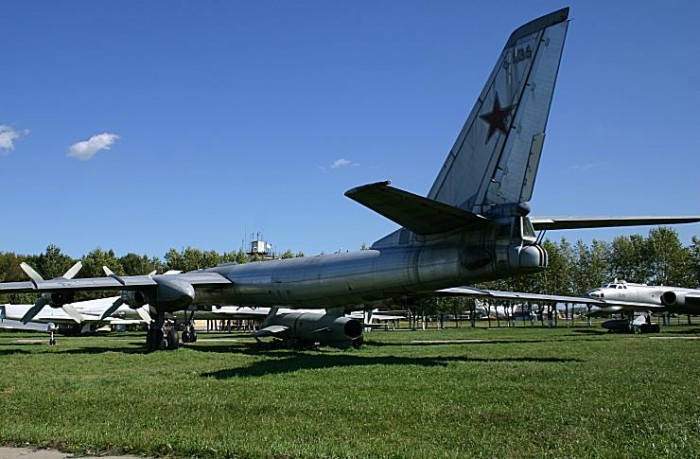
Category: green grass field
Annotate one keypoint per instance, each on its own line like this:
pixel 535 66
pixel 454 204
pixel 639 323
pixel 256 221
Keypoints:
pixel 521 392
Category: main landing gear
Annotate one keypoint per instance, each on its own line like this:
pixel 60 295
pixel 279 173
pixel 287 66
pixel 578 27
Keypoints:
pixel 162 335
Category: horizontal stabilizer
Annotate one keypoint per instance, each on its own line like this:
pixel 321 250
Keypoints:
pixel 418 214
pixel 559 223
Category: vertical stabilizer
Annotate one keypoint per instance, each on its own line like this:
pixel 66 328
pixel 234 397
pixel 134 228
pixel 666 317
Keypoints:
pixel 495 158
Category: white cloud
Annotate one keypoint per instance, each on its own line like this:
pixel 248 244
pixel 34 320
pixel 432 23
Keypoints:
pixel 88 148
pixel 342 162
pixel 338 163
pixel 8 137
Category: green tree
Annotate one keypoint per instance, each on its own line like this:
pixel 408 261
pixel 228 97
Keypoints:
pixel 671 263
pixel 695 259
pixel 96 259
pixel 592 266
pixel 52 263
pixel 134 264
pixel 630 259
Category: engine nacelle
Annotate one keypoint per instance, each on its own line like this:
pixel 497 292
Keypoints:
pixel 169 295
pixel 313 327
pixel 134 298
pixel 671 298
pixel 173 294
pixel 58 299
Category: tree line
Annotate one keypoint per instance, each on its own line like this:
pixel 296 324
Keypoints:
pixel 657 259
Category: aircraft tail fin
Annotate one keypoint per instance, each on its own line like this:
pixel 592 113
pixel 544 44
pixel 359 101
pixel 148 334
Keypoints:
pixel 495 158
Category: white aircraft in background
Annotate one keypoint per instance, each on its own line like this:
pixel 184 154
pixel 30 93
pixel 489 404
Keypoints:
pixel 85 317
pixel 626 296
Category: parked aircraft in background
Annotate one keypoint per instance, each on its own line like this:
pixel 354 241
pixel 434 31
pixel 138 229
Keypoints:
pixel 627 296
pixel 474 224
pixel 615 297
pixel 84 318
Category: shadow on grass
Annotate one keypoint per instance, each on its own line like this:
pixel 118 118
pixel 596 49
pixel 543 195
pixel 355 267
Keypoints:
pixel 587 331
pixel 15 351
pixel 291 361
pixel 105 349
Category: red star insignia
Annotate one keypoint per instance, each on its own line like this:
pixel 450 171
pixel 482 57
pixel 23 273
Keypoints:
pixel 496 118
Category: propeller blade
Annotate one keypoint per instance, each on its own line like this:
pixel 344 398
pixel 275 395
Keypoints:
pixel 34 310
pixel 33 275
pixel 144 313
pixel 70 274
pixel 110 310
pixel 72 312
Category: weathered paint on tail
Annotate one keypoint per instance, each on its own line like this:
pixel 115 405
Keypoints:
pixel 494 161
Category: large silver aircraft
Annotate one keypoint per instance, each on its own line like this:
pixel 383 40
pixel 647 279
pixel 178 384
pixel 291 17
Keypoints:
pixel 473 225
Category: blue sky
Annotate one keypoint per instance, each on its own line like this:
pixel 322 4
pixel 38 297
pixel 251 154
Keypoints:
pixel 204 122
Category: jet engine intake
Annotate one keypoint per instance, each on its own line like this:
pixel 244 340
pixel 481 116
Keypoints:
pixel 671 298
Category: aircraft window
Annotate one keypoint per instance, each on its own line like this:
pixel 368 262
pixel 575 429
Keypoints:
pixel 528 229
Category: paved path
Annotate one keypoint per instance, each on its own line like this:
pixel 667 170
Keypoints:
pixel 30 453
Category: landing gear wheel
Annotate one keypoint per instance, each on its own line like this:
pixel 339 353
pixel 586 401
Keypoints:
pixel 155 340
pixel 172 339
pixel 189 335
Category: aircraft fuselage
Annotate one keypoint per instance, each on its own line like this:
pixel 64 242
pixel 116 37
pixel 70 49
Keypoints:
pixel 355 278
